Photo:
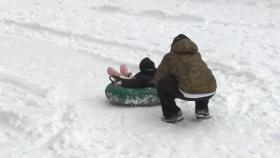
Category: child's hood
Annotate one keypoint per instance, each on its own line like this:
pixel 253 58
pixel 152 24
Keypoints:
pixel 146 65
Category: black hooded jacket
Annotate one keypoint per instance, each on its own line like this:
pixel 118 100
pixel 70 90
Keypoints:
pixel 144 78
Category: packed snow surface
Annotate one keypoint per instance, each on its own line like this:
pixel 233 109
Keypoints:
pixel 53 60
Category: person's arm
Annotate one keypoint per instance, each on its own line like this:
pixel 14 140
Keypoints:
pixel 163 68
pixel 136 82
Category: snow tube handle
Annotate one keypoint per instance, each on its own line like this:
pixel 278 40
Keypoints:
pixel 112 80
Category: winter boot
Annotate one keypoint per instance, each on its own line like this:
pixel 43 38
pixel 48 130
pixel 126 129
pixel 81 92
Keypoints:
pixel 112 72
pixel 124 70
pixel 175 118
pixel 202 114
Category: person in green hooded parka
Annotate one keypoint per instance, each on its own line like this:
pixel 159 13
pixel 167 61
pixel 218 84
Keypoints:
pixel 183 74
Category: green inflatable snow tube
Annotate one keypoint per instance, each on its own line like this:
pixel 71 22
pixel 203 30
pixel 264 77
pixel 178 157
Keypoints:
pixel 132 96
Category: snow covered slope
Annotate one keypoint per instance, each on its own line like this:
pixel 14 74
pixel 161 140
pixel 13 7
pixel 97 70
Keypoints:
pixel 53 60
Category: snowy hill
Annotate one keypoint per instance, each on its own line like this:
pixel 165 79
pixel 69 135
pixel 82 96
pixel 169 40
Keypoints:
pixel 53 60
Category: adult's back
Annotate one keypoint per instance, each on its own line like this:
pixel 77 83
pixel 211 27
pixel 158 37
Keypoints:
pixel 185 65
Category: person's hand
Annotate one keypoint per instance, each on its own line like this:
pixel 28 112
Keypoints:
pixel 118 83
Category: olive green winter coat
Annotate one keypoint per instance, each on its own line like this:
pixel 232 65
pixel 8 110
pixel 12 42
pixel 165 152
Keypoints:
pixel 184 64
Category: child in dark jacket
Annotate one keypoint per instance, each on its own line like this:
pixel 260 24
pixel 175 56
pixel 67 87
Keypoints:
pixel 144 78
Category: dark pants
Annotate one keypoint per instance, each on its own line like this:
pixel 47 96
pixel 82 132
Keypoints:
pixel 168 90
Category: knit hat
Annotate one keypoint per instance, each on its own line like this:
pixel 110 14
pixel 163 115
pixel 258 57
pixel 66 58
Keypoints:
pixel 178 38
pixel 147 65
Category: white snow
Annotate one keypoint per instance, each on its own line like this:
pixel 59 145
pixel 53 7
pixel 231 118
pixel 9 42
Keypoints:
pixel 53 60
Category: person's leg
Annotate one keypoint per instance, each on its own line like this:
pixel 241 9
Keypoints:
pixel 168 105
pixel 167 91
pixel 201 105
pixel 201 109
